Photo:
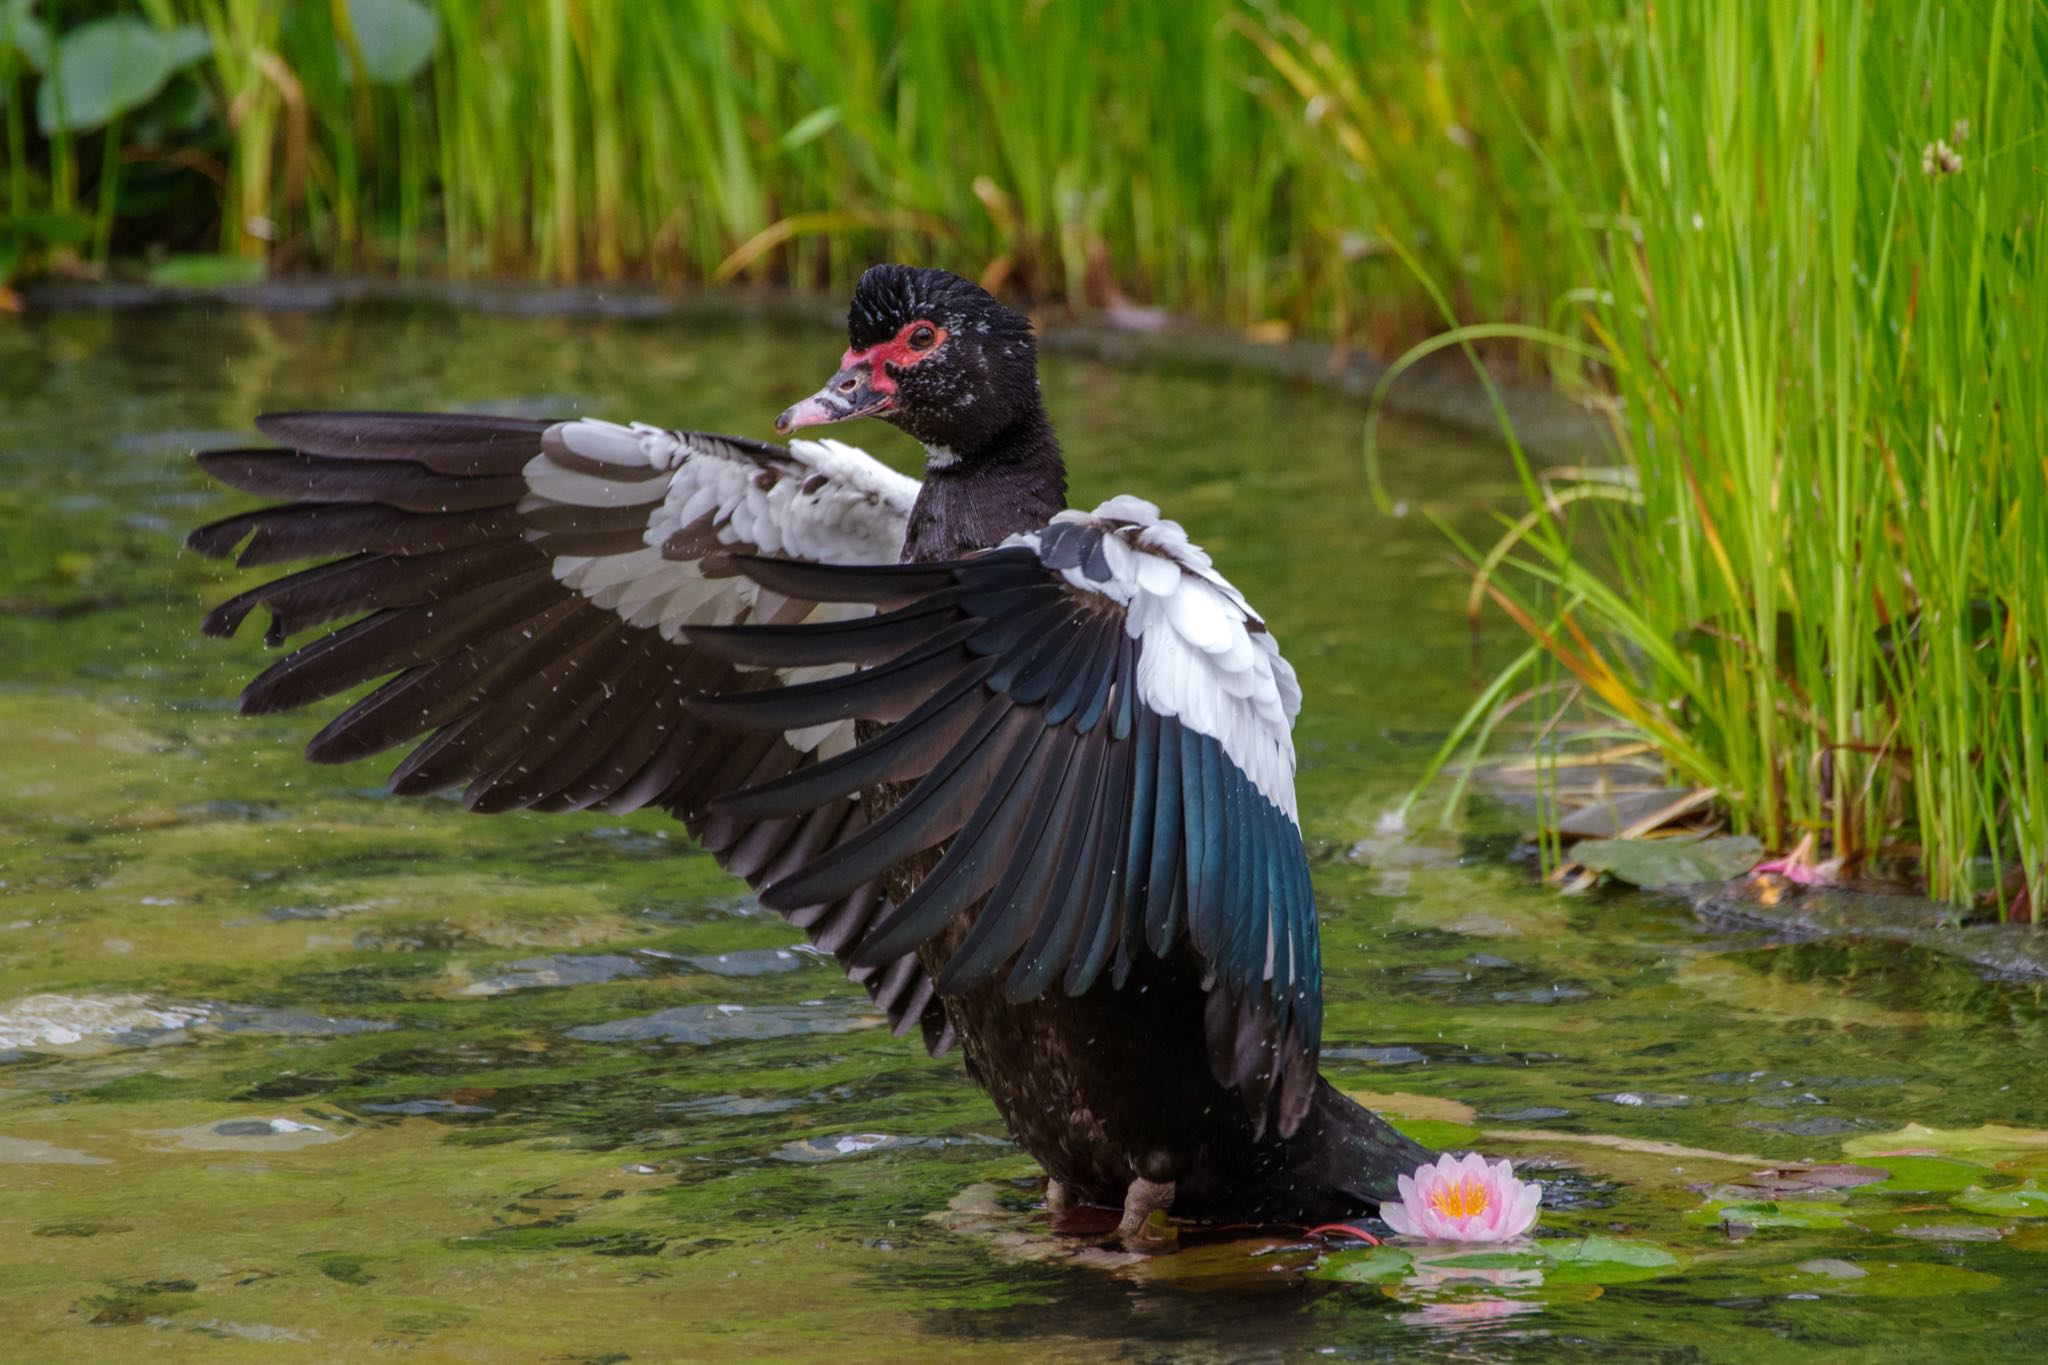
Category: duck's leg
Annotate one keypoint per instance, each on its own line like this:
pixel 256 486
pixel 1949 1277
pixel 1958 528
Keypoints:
pixel 1141 1200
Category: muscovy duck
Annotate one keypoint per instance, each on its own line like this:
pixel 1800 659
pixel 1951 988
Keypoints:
pixel 1026 771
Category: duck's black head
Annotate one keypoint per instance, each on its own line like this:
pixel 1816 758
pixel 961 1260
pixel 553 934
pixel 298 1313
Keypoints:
pixel 935 355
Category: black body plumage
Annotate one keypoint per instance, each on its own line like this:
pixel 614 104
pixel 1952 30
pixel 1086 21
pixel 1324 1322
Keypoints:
pixel 1014 846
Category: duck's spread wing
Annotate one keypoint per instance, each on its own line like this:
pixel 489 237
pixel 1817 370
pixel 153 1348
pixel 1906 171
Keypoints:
pixel 1097 729
pixel 522 588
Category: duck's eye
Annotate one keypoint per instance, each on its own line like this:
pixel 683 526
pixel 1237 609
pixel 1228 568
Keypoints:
pixel 922 337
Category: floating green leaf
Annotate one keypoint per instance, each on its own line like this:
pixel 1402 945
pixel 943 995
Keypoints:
pixel 1610 1251
pixel 1996 1141
pixel 396 38
pixel 1585 1260
pixel 1771 1214
pixel 1927 1175
pixel 1492 1260
pixel 2028 1201
pixel 107 67
pixel 1670 862
pixel 1605 1260
pixel 1366 1267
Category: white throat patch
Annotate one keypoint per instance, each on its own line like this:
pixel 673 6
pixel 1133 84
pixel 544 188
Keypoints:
pixel 939 457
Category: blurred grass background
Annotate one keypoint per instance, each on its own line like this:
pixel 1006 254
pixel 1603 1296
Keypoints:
pixel 1244 162
pixel 1792 252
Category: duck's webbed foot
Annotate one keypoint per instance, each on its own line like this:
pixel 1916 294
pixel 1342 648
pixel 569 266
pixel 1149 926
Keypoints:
pixel 1143 1199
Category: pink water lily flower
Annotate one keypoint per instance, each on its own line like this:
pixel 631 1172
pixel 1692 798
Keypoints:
pixel 1462 1199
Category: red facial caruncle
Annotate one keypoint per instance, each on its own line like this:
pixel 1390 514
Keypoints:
pixel 916 341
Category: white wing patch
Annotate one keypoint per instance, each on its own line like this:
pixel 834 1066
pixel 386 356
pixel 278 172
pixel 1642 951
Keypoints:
pixel 815 500
pixel 1203 655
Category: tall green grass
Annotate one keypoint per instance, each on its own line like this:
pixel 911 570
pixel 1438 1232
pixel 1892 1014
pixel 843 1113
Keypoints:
pixel 1808 237
pixel 1258 163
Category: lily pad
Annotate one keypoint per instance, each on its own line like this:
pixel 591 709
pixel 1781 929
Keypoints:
pixel 1991 1140
pixel 1372 1266
pixel 1927 1175
pixel 1772 1214
pixel 1605 1260
pixel 1670 862
pixel 1610 1251
pixel 2028 1201
pixel 1493 1260
pixel 1579 1261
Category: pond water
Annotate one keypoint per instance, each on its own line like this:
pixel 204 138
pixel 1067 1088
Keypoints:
pixel 292 1069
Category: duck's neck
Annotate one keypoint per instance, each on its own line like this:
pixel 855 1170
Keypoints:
pixel 1014 481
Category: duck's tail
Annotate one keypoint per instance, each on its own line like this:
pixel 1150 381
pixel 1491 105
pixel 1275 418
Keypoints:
pixel 1349 1157
pixel 1341 1162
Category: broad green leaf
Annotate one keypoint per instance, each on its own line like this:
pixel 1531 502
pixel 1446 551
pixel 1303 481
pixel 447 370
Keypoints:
pixel 46 228
pixel 1365 1267
pixel 21 32
pixel 1492 1260
pixel 110 66
pixel 1770 1214
pixel 397 38
pixel 202 272
pixel 2028 1201
pixel 1994 1140
pixel 1927 1175
pixel 1610 1251
pixel 184 46
pixel 1605 1260
pixel 1670 862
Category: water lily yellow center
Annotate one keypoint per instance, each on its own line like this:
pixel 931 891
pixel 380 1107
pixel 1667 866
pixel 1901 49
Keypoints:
pixel 1459 1198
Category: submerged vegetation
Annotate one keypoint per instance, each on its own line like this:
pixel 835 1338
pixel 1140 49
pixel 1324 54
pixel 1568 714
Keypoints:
pixel 1793 249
